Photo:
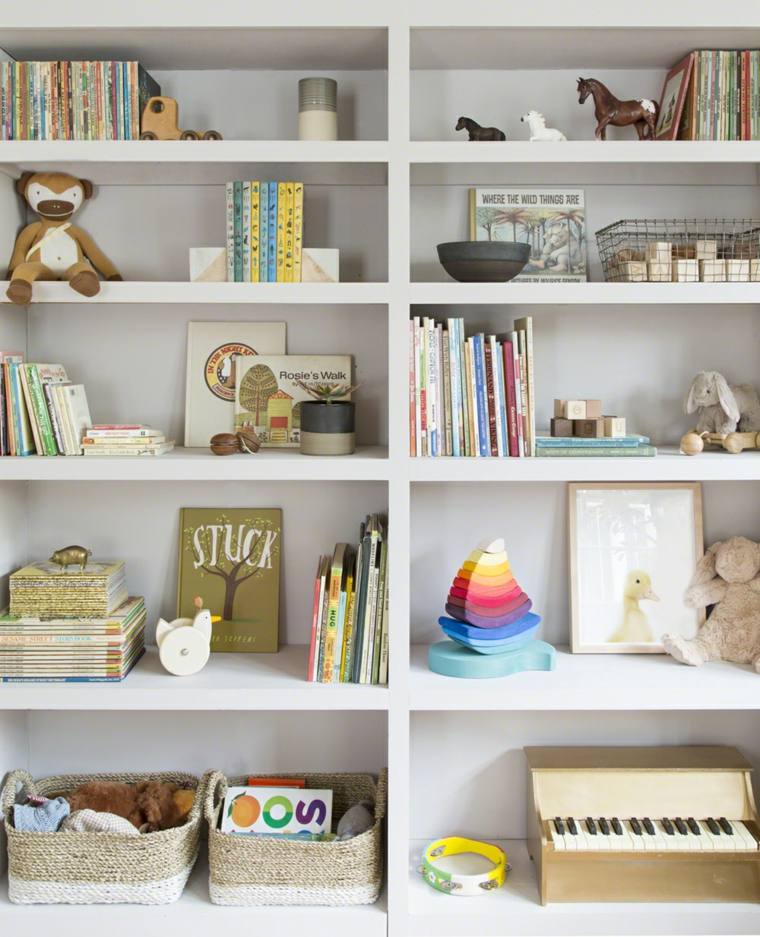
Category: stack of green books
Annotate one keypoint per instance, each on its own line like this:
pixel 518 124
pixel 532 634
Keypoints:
pixel 45 590
pixel 575 446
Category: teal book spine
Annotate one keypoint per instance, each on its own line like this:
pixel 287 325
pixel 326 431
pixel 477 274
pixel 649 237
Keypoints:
pixel 264 232
pixel 596 452
pixel 238 233
pixel 272 234
pixel 581 442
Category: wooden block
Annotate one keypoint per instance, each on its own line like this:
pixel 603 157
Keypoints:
pixel 754 270
pixel 712 271
pixel 560 408
pixel 659 251
pixel 684 252
pixel 561 427
pixel 686 271
pixel 593 409
pixel 614 426
pixel 588 429
pixel 707 250
pixel 634 271
pixel 320 265
pixel 659 271
pixel 575 410
pixel 737 271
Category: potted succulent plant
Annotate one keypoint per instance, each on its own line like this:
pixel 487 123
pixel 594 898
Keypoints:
pixel 327 421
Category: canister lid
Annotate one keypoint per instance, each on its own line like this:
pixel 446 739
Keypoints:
pixel 317 94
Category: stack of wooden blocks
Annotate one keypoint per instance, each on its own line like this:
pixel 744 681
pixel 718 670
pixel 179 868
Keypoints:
pixel 584 418
pixel 663 262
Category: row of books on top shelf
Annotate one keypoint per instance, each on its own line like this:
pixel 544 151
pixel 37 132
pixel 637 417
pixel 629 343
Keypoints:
pixel 43 413
pixel 70 626
pixel 264 231
pixel 718 92
pixel 349 632
pixel 471 396
pixel 73 100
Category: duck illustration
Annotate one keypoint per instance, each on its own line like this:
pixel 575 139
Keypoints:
pixel 635 627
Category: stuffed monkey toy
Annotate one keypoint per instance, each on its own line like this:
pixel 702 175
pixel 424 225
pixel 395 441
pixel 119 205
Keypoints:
pixel 52 248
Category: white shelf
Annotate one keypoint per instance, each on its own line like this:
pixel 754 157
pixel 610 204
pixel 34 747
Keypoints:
pixel 193 915
pixel 515 909
pixel 202 162
pixel 228 682
pixel 585 294
pixel 176 292
pixel 368 463
pixel 668 465
pixel 610 682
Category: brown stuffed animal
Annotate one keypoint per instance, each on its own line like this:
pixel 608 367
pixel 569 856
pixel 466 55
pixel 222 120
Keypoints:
pixel 154 805
pixel 52 248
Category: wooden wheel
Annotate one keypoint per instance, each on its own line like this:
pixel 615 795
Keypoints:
pixel 212 135
pixel 148 135
pixel 189 135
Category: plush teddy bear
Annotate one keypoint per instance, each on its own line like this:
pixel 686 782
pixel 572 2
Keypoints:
pixel 153 805
pixel 52 248
pixel 728 577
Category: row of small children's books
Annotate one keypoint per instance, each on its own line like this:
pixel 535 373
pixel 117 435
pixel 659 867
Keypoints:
pixel 471 396
pixel 264 231
pixel 349 634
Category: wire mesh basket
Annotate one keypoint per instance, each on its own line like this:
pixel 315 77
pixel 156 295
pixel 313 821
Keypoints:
pixel 706 250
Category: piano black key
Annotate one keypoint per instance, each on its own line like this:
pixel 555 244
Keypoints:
pixel 635 826
pixel 648 826
pixel 668 826
pixel 604 826
pixel 591 826
pixel 681 826
pixel 559 826
pixel 571 826
pixel 616 826
pixel 712 826
pixel 694 826
pixel 725 826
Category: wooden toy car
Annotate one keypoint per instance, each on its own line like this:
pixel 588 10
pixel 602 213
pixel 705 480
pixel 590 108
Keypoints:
pixel 160 122
pixel 693 443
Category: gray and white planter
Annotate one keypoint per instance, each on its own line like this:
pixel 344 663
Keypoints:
pixel 327 428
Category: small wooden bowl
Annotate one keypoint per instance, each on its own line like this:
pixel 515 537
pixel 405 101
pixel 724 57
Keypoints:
pixel 224 444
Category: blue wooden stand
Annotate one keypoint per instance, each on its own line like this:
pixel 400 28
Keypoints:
pixel 453 660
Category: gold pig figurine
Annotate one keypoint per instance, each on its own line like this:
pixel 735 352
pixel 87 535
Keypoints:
pixel 69 556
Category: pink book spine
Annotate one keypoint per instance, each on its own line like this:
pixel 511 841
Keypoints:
pixel 509 383
pixel 314 622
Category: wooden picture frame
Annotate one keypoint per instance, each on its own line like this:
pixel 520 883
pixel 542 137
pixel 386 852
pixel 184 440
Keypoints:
pixel 651 539
pixel 673 97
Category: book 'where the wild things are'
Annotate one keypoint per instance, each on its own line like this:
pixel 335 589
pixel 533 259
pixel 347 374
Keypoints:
pixel 552 221
pixel 230 557
pixel 268 399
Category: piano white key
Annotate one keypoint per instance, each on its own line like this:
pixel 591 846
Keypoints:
pixel 592 840
pixel 657 838
pixel 557 838
pixel 717 842
pixel 581 836
pixel 684 840
pixel 748 841
pixel 621 841
pixel 638 841
pixel 668 842
pixel 571 839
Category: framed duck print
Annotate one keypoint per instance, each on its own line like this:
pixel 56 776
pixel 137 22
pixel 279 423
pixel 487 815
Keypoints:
pixel 633 551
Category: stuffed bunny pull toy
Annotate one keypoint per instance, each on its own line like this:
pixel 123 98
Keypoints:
pixel 52 248
pixel 723 407
pixel 727 577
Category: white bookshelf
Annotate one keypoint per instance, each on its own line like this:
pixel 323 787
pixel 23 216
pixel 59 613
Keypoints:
pixel 385 195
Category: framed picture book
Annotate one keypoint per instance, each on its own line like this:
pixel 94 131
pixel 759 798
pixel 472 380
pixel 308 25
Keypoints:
pixel 673 98
pixel 268 399
pixel 212 349
pixel 230 557
pixel 552 221
pixel 633 551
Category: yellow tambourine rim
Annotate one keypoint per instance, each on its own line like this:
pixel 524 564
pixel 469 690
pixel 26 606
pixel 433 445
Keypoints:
pixel 453 845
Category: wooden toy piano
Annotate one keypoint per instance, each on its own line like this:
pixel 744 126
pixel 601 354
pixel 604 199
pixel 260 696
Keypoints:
pixel 643 824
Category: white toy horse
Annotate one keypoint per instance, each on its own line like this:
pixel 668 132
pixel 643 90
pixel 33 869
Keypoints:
pixel 184 644
pixel 538 129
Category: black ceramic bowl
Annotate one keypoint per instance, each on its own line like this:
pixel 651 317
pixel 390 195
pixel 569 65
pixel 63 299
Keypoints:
pixel 483 261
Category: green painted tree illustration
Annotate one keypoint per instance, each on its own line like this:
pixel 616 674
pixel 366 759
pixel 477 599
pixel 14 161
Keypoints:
pixel 256 388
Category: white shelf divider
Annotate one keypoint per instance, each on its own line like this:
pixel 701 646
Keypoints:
pixel 585 294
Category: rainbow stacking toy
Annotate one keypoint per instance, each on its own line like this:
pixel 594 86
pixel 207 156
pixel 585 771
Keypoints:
pixel 490 624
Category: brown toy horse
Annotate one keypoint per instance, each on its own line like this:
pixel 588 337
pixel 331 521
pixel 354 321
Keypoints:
pixel 608 110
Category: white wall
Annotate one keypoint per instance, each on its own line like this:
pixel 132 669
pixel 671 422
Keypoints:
pixel 447 521
pixel 469 775
pixel 139 523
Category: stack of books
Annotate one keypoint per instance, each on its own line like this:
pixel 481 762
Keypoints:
pixel 620 446
pixel 72 649
pixel 723 96
pixel 73 100
pixel 349 632
pixel 48 590
pixel 264 232
pixel 471 396
pixel 41 411
pixel 124 439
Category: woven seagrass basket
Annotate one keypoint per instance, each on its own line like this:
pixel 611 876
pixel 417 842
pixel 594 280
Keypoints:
pixel 257 870
pixel 99 868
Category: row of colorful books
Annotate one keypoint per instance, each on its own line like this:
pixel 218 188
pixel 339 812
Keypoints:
pixel 349 631
pixel 73 100
pixel 264 231
pixel 41 411
pixel 471 396
pixel 723 95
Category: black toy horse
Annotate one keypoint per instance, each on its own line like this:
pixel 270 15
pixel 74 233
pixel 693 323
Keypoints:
pixel 477 132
